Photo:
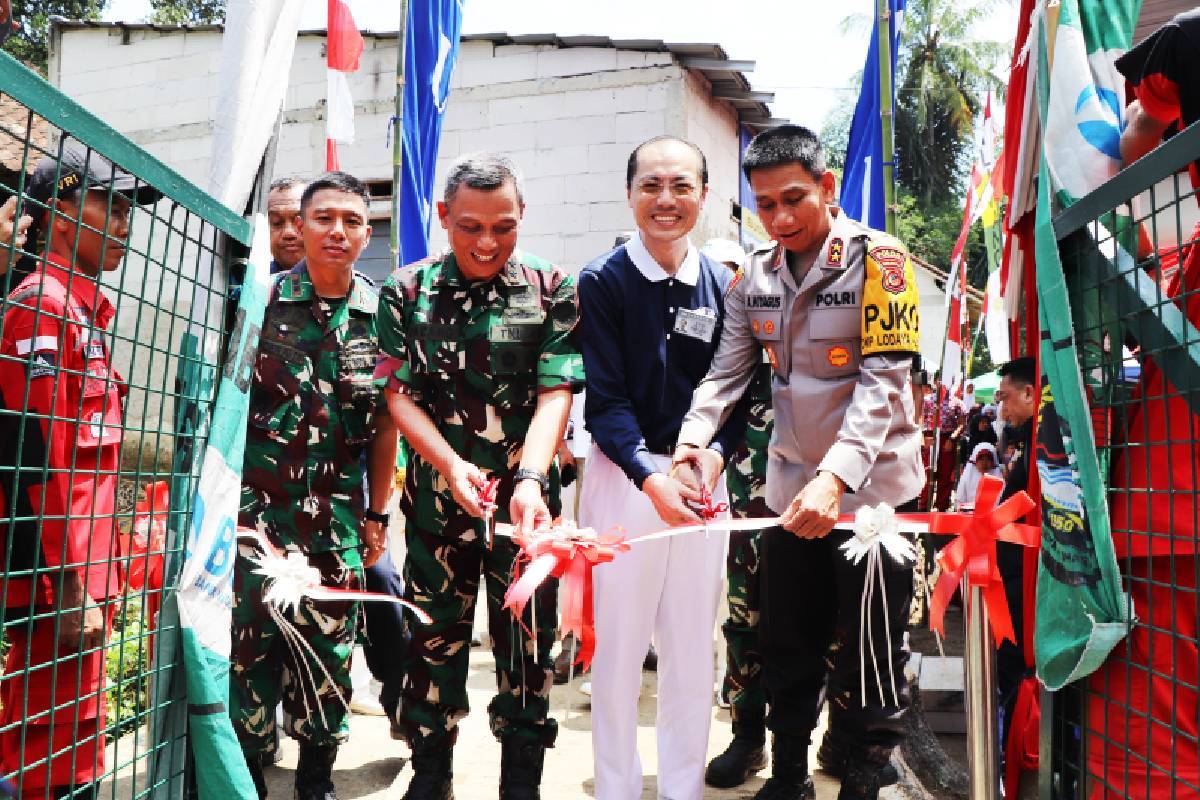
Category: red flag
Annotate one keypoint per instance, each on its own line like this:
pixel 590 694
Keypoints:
pixel 344 45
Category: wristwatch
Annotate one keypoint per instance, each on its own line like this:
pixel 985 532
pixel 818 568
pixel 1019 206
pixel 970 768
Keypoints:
pixel 532 475
pixel 375 516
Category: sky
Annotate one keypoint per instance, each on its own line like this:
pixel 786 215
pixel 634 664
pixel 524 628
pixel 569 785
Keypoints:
pixel 800 52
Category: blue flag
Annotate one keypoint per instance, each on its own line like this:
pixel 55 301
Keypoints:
pixel 431 48
pixel 862 180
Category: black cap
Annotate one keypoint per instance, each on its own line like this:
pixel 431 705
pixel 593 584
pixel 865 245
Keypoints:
pixel 63 177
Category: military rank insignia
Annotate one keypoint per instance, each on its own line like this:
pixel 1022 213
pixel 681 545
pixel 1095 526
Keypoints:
pixel 890 307
pixel 836 251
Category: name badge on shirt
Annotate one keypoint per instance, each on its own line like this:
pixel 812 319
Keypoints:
pixel 698 323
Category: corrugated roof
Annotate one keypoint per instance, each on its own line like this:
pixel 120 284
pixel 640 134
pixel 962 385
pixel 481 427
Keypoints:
pixel 727 76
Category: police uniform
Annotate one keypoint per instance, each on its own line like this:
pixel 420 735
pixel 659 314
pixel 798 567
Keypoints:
pixel 312 407
pixel 475 355
pixel 839 342
pixel 60 442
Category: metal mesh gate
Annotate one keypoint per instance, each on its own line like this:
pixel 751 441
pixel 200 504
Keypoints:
pixel 1131 254
pixel 101 429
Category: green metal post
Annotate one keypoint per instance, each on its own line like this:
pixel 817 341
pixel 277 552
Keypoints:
pixel 883 15
pixel 398 135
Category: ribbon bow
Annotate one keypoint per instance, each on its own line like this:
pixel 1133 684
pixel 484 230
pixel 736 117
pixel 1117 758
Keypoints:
pixel 709 510
pixel 487 496
pixel 569 553
pixel 876 532
pixel 973 553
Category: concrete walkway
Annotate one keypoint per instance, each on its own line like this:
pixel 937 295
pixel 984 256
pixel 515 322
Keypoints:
pixel 371 766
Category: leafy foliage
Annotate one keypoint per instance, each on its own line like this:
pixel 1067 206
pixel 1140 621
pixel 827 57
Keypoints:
pixel 188 12
pixel 128 665
pixel 30 43
pixel 943 71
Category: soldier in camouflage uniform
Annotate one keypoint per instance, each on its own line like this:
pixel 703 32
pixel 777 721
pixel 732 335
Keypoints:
pixel 314 408
pixel 481 365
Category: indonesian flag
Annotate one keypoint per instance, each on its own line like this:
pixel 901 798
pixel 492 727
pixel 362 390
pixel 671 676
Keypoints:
pixel 344 44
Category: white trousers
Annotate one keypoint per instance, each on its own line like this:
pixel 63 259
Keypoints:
pixel 667 589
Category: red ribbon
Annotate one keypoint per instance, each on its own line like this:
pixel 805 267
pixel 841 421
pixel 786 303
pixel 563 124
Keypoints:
pixel 567 553
pixel 708 510
pixel 487 496
pixel 973 553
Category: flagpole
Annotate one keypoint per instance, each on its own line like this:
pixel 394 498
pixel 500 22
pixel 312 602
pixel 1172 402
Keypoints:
pixel 398 135
pixel 883 26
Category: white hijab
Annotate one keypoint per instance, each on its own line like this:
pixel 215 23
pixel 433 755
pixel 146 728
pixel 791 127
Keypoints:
pixel 968 483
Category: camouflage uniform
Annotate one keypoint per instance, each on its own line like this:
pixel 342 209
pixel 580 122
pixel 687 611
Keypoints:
pixel 747 480
pixel 312 409
pixel 474 355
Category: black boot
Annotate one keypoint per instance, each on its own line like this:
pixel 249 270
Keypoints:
pixel 85 791
pixel 520 769
pixel 789 771
pixel 861 781
pixel 837 751
pixel 433 764
pixel 744 756
pixel 314 772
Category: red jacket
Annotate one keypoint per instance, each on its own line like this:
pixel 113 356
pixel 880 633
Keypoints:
pixel 58 463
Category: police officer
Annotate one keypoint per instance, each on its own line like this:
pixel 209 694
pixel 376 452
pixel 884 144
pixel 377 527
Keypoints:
pixel 481 367
pixel 313 412
pixel 60 442
pixel 834 306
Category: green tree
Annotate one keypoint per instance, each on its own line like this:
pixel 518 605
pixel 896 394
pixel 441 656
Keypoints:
pixel 30 42
pixel 944 69
pixel 188 12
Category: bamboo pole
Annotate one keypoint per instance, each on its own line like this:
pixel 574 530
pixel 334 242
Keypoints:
pixel 884 28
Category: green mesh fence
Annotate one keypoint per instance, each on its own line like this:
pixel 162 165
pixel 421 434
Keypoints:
pixel 1130 730
pixel 104 391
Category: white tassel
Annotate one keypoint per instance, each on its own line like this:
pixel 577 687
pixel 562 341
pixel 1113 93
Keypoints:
pixel 876 530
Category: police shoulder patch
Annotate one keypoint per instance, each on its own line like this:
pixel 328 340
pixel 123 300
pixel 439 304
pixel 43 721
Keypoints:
pixel 890 307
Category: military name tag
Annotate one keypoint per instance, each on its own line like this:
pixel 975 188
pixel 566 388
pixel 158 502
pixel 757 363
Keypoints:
pixel 520 314
pixel 437 330
pixel 700 323
pixel 523 296
pixel 515 333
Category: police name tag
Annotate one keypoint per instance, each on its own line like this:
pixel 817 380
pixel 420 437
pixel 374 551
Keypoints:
pixel 699 323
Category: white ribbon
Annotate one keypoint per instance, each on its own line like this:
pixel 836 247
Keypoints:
pixel 876 530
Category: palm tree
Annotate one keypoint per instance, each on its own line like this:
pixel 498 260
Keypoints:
pixel 945 70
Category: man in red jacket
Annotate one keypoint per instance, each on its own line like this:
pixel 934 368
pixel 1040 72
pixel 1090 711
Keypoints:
pixel 60 438
pixel 1143 720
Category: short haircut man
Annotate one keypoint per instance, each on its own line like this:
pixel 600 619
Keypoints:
pixel 650 316
pixel 834 306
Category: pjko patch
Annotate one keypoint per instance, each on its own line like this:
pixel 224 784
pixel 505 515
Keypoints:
pixel 837 356
pixel 890 316
pixel 837 249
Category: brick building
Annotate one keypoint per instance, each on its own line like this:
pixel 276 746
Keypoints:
pixel 567 109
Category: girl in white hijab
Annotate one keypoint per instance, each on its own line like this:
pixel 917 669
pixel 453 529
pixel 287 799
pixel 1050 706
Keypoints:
pixel 983 461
